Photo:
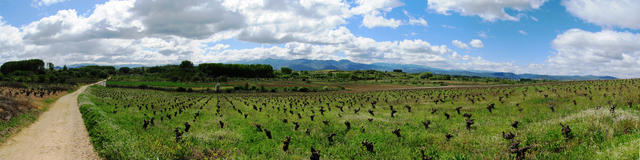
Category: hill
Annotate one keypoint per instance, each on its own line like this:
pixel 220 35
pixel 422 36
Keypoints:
pixel 309 65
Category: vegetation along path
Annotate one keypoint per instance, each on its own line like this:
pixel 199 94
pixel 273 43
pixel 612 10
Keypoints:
pixel 59 133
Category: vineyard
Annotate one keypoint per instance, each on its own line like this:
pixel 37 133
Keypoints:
pixel 565 120
pixel 20 105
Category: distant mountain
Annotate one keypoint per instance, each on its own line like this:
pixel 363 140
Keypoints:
pixel 310 65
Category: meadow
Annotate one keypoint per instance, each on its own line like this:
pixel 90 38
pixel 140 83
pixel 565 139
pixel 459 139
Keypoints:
pixel 560 120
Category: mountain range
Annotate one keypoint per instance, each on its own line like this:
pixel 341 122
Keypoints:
pixel 346 65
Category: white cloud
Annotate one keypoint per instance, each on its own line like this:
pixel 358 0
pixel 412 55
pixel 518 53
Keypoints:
pixel 373 12
pixel 476 43
pixel 197 19
pixel 40 3
pixel 141 32
pixel 522 32
pixel 11 43
pixel 607 52
pixel 372 21
pixel 282 21
pixel 489 10
pixel 609 13
pixel 460 44
pixel 416 21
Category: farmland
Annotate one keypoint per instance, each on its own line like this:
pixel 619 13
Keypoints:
pixel 20 104
pixel 561 120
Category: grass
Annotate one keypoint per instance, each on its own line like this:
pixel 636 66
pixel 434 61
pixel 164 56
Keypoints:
pixel 114 119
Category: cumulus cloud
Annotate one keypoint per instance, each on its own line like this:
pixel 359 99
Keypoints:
pixel 373 11
pixel 282 21
pixel 11 43
pixel 141 32
pixel 476 43
pixel 372 21
pixel 460 44
pixel 489 10
pixel 607 52
pixel 616 13
pixel 193 19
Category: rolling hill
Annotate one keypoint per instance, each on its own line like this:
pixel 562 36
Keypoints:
pixel 310 65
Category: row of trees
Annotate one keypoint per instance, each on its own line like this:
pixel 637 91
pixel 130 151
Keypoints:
pixel 33 65
pixel 33 71
pixel 187 71
pixel 237 70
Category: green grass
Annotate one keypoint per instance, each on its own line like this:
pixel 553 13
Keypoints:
pixel 114 119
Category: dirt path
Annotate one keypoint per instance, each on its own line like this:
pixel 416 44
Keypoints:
pixel 59 133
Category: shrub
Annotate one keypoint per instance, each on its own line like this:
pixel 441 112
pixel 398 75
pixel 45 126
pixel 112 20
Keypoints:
pixel 143 86
pixel 286 70
pixel 303 89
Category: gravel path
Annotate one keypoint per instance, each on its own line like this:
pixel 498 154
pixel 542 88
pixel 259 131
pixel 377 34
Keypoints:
pixel 59 133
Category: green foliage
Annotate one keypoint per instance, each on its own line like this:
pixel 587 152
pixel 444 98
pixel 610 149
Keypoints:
pixel 115 123
pixel 32 65
pixel 426 75
pixel 50 66
pixel 236 70
pixel 124 70
pixel 186 65
pixel 286 70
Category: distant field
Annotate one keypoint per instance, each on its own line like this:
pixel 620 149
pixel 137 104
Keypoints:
pixel 161 84
pixel 281 85
pixel 600 119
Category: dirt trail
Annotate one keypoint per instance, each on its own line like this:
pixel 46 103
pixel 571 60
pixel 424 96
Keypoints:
pixel 59 133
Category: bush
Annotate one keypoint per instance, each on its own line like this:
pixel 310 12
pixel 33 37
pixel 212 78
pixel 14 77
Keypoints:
pixel 286 70
pixel 303 89
pixel 124 70
pixel 180 89
pixel 143 86
pixel 426 75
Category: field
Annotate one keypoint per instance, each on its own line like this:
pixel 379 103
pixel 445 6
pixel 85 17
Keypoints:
pixel 20 104
pixel 562 120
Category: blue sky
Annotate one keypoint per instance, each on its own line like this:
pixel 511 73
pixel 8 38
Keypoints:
pixel 576 37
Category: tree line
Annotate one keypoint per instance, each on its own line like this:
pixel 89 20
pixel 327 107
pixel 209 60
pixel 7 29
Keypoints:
pixel 33 71
pixel 187 71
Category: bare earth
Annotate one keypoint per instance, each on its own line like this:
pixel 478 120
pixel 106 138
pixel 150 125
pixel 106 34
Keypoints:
pixel 59 133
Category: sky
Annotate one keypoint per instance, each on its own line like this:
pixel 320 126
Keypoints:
pixel 553 37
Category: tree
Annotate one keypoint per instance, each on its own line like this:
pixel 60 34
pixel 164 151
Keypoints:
pixel 32 65
pixel 286 70
pixel 124 70
pixel 186 65
pixel 65 68
pixel 51 66
pixel 426 75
